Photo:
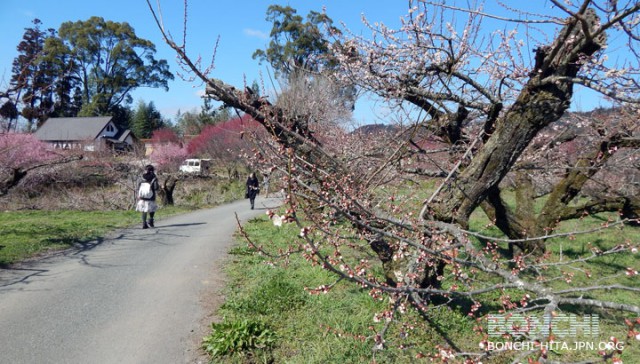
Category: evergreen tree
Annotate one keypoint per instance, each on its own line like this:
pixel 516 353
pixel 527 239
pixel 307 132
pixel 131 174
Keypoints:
pixel 88 68
pixel 146 118
pixel 32 78
pixel 295 43
pixel 66 90
pixel 193 122
pixel 188 123
pixel 110 61
pixel 210 115
pixel 122 116
pixel 9 113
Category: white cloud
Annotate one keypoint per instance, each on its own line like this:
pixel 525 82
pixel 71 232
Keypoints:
pixel 255 33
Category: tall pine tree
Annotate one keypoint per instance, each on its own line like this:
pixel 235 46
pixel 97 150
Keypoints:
pixel 146 119
pixel 32 79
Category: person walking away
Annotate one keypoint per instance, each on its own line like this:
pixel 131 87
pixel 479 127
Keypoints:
pixel 265 183
pixel 253 188
pixel 147 188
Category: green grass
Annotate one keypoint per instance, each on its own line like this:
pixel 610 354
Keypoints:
pixel 307 326
pixel 339 326
pixel 25 234
pixel 333 327
pixel 603 270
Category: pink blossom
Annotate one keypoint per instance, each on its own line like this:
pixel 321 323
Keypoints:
pixel 23 150
pixel 168 155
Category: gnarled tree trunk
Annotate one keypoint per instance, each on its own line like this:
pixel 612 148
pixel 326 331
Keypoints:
pixel 167 188
pixel 544 99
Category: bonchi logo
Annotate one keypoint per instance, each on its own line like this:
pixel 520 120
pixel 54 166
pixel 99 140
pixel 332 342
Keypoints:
pixel 561 325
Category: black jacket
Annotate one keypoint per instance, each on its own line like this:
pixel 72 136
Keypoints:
pixel 253 187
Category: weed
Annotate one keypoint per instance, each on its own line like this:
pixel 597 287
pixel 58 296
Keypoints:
pixel 238 337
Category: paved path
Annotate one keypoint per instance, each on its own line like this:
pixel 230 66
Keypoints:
pixel 139 296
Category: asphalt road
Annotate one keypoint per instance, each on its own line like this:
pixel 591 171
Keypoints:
pixel 139 296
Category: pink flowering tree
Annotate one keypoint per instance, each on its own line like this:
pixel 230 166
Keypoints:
pixel 23 153
pixel 225 143
pixel 167 155
pixel 168 152
pixel 478 109
pixel 165 135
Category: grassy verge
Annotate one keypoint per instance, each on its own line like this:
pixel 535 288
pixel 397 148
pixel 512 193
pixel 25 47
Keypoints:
pixel 333 327
pixel 25 234
pixel 28 233
pixel 325 328
pixel 339 327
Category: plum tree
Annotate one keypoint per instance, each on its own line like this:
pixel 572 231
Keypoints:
pixel 469 86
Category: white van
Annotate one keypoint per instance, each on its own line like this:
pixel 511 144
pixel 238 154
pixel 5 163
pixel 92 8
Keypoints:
pixel 197 166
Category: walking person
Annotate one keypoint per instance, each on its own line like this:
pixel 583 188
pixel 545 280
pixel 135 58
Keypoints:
pixel 147 188
pixel 253 188
pixel 265 183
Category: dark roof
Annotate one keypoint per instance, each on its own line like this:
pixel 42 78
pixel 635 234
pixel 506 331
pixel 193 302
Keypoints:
pixel 78 128
pixel 123 136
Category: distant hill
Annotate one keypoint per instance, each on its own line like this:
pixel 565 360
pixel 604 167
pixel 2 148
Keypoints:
pixel 376 129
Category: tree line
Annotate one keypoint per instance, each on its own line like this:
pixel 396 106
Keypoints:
pixel 85 68
pixel 90 68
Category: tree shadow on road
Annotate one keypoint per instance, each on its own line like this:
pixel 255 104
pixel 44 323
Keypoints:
pixel 181 225
pixel 20 275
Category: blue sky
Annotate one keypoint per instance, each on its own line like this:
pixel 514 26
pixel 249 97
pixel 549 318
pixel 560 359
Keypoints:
pixel 241 26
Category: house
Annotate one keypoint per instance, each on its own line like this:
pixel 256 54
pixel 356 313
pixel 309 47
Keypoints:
pixel 87 133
